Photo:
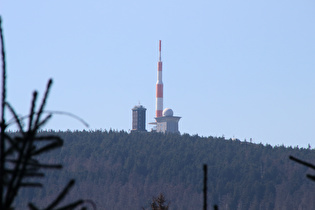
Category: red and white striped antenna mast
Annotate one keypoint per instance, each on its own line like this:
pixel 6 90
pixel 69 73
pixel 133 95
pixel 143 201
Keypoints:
pixel 159 87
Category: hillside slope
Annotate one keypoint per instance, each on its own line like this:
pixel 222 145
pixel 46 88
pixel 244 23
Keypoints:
pixel 123 171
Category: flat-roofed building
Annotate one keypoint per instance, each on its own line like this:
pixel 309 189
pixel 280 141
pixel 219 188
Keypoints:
pixel 138 118
pixel 167 123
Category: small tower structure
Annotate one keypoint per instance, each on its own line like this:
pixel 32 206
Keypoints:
pixel 138 118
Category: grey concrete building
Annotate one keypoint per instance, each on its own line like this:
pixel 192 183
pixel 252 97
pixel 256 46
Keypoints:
pixel 167 123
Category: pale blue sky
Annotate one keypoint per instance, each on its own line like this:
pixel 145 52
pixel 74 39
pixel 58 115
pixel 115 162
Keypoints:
pixel 234 68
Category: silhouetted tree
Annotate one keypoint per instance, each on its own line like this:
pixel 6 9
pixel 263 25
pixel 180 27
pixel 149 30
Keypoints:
pixel 159 203
pixel 20 164
pixel 309 165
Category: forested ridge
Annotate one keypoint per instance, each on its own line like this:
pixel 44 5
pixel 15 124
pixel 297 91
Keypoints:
pixel 120 170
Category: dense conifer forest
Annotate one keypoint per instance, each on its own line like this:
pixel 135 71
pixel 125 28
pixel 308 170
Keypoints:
pixel 120 170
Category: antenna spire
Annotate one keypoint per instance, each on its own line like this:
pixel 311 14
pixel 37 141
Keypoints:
pixel 159 87
pixel 160 50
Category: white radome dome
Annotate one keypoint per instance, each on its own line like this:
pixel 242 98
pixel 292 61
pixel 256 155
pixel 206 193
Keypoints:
pixel 167 112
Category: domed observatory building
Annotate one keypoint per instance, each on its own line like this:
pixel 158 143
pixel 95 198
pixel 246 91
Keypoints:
pixel 167 123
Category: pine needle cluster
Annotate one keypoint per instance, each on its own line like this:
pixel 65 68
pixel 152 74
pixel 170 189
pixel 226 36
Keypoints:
pixel 20 164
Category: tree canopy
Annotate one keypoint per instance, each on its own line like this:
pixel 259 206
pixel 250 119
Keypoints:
pixel 119 170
